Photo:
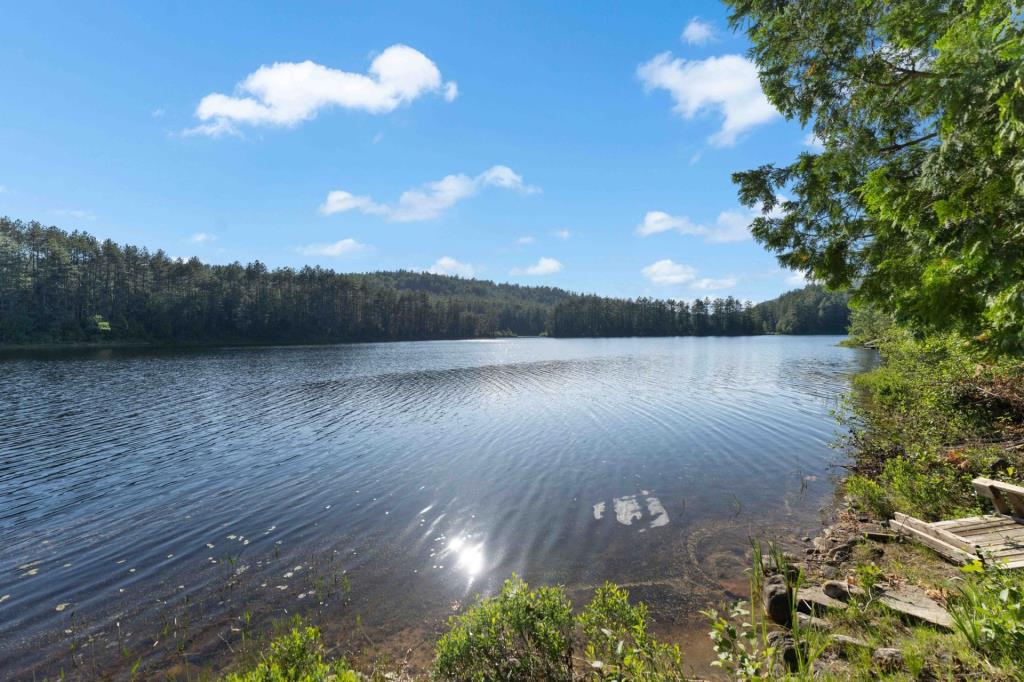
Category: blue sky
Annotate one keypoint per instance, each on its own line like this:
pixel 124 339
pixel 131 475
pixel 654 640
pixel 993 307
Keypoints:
pixel 581 145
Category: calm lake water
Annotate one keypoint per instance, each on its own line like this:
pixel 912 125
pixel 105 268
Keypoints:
pixel 149 499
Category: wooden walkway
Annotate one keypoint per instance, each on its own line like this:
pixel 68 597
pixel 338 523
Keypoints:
pixel 994 538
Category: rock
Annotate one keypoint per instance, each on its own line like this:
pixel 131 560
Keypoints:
pixel 822 544
pixel 807 621
pixel 778 602
pixel 806 538
pixel 813 599
pixel 786 649
pixel 837 589
pixel 840 552
pixel 848 641
pixel 915 603
pixel 888 659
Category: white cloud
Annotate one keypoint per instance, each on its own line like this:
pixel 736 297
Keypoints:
pixel 202 238
pixel 430 200
pixel 343 247
pixel 659 221
pixel 668 272
pixel 544 266
pixel 814 142
pixel 711 284
pixel 339 201
pixel 698 32
pixel 288 93
pixel 730 226
pixel 563 234
pixel 446 265
pixel 157 113
pixel 797 278
pixel 726 84
pixel 524 241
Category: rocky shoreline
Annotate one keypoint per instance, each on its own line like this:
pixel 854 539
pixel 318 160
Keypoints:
pixel 815 588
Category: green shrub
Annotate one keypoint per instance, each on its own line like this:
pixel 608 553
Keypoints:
pixel 868 496
pixel 928 487
pixel 520 634
pixel 524 634
pixel 297 656
pixel 989 613
pixel 618 646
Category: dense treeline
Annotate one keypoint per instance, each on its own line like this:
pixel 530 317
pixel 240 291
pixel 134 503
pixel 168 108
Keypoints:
pixel 60 287
pixel 811 310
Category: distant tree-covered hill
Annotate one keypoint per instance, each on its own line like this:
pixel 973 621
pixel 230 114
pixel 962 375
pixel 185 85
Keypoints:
pixel 58 287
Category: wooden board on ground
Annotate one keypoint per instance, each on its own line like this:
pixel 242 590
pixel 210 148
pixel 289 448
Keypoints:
pixel 998 538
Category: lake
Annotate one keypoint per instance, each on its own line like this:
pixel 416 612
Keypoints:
pixel 149 499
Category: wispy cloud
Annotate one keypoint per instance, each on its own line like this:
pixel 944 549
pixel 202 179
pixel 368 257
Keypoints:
pixel 526 240
pixel 711 284
pixel 446 265
pixel 656 222
pixel 732 225
pixel 285 94
pixel 813 142
pixel 157 113
pixel 797 278
pixel 3 188
pixel 343 247
pixel 727 85
pixel 544 266
pixel 563 234
pixel 698 32
pixel 202 238
pixel 430 200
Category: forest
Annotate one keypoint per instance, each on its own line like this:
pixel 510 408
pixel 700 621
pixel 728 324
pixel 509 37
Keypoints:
pixel 60 287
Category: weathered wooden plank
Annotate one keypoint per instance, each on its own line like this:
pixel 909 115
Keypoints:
pixel 937 533
pixel 1005 551
pixel 949 523
pixel 996 536
pixel 951 552
pixel 968 522
pixel 999 485
pixel 1006 497
pixel 993 522
pixel 992 536
pixel 1012 564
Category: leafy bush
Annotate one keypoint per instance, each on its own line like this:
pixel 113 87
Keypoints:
pixel 868 496
pixel 520 634
pixel 989 613
pixel 297 656
pixel 524 634
pixel 618 646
